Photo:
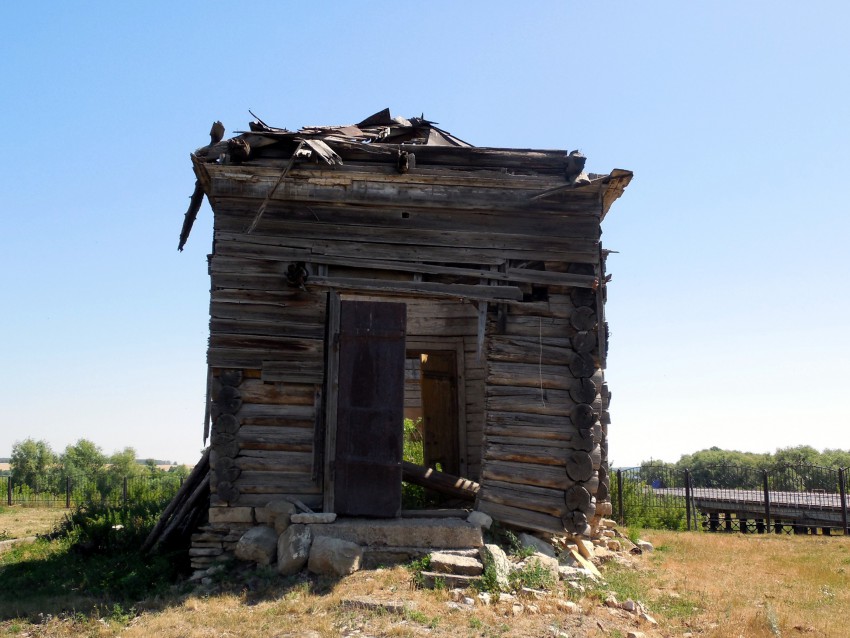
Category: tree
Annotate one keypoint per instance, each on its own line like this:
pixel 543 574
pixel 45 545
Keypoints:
pixel 124 463
pixel 836 458
pixel 32 463
pixel 84 457
pixel 796 456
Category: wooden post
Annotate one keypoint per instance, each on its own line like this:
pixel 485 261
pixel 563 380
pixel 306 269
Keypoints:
pixel 842 487
pixel 688 497
pixel 124 490
pixel 766 499
pixel 9 491
pixel 713 521
pixel 67 492
pixel 622 514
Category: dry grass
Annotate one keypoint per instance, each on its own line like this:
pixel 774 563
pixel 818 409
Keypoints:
pixel 748 585
pixel 269 608
pixel 18 521
pixel 708 584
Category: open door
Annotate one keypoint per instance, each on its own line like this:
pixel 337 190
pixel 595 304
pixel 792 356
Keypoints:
pixel 366 471
pixel 439 411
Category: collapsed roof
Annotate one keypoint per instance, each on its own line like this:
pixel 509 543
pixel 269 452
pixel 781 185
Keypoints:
pixel 383 138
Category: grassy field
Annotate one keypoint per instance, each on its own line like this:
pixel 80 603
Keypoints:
pixel 704 584
pixel 745 585
pixel 19 522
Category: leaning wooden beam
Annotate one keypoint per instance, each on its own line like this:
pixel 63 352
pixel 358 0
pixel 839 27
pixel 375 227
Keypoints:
pixel 191 214
pixel 198 498
pixel 439 481
pixel 195 476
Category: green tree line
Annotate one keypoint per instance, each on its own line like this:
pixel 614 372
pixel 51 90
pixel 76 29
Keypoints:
pixel 94 475
pixel 795 468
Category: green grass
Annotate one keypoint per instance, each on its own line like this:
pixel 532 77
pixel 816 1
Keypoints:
pixel 90 562
pixel 533 575
pixel 413 451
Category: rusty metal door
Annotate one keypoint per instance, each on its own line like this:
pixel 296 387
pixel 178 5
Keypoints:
pixel 370 409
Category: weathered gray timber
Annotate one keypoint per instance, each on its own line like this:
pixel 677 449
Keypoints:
pixel 489 262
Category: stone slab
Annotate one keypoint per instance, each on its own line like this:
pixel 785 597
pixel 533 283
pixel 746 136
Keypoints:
pixel 231 515
pixel 452 581
pixel 314 517
pixel 433 533
pixel 445 563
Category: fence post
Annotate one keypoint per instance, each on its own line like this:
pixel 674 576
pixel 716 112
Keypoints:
pixel 688 497
pixel 124 493
pixel 842 487
pixel 67 492
pixel 9 491
pixel 766 500
pixel 620 497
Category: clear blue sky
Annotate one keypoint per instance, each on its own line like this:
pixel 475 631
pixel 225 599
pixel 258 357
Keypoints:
pixel 729 302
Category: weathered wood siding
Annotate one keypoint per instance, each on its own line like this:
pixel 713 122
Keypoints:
pixel 468 248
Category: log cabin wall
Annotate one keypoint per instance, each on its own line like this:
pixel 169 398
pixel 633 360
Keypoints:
pixel 496 259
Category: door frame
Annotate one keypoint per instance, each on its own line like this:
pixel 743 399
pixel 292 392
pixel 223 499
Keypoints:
pixel 449 344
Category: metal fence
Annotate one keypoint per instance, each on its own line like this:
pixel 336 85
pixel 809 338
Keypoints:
pixel 790 499
pixel 73 490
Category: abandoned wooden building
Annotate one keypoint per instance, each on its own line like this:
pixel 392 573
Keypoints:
pixel 356 270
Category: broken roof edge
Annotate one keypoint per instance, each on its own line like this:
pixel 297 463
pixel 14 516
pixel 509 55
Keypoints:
pixel 617 180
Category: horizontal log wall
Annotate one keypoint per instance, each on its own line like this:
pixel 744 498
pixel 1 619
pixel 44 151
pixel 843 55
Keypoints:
pixel 543 442
pixel 451 244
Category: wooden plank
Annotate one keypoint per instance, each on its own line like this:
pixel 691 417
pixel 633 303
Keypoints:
pixel 255 482
pixel 264 343
pixel 279 371
pixel 281 439
pixel 525 474
pixel 542 246
pixel 239 323
pixel 539 327
pixel 550 220
pixel 528 375
pixel 439 481
pixel 258 391
pixel 548 351
pixel 313 501
pixel 331 397
pixel 521 517
pixel 295 412
pixel 524 454
pixel 371 189
pixel 546 403
pixel 275 460
pixel 462 425
pixel 514 496
pixel 424 253
pixel 514 438
pixel 455 291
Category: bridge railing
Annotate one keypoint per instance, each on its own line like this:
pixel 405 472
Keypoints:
pixel 800 499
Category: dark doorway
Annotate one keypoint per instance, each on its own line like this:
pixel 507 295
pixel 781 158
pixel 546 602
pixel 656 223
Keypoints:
pixel 370 409
pixel 439 411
